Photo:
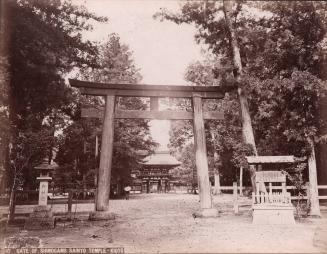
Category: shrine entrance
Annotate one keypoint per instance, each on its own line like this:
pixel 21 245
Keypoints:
pixel 110 91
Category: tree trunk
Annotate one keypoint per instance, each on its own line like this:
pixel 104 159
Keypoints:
pixel 216 159
pixel 70 203
pixel 96 167
pixel 12 201
pixel 241 181
pixel 313 185
pixel 84 186
pixel 247 130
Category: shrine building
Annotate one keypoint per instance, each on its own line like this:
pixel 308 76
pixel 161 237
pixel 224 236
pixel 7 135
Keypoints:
pixel 154 176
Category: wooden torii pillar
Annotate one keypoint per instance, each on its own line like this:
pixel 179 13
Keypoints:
pixel 111 91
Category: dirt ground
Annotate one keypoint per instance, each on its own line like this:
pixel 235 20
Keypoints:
pixel 163 223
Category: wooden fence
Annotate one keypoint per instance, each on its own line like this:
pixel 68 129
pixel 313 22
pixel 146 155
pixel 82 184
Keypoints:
pixel 237 191
pixel 240 190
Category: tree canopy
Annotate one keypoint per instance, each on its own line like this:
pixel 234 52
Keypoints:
pixel 282 47
pixel 115 64
pixel 40 43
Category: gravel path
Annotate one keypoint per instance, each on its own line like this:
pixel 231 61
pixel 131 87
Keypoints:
pixel 154 223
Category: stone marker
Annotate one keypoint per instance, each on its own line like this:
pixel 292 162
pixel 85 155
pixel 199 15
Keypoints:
pixel 42 216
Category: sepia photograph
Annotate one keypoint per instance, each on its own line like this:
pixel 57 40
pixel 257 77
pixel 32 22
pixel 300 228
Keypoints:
pixel 163 126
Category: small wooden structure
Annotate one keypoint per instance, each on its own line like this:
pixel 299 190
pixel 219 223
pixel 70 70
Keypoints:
pixel 271 207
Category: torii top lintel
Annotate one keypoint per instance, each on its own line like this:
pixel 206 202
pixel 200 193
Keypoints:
pixel 138 90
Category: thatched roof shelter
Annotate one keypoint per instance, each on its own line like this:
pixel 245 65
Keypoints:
pixel 270 159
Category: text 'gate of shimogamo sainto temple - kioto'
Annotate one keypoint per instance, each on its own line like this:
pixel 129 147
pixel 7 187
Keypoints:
pixel 111 91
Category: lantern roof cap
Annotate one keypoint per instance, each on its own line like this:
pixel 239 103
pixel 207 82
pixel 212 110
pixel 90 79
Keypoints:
pixel 45 165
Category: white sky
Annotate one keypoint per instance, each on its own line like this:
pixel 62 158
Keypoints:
pixel 162 50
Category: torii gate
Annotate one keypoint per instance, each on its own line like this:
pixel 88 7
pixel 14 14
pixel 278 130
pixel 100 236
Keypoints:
pixel 111 91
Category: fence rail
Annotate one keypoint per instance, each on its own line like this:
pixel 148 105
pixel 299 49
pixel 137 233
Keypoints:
pixel 241 189
pixel 26 193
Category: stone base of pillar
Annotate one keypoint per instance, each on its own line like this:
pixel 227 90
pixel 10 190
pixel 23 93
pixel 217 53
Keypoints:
pixel 206 213
pixel 101 215
pixel 273 215
pixel 316 216
pixel 3 225
pixel 41 218
pixel 314 212
pixel 20 241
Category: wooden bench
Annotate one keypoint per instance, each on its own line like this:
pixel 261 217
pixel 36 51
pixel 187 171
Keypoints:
pixel 271 207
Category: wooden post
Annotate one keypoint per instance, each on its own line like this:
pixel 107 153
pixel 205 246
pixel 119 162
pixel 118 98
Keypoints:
pixel 307 187
pixel 241 181
pixel 217 189
pixel 70 202
pixel 96 167
pixel 154 103
pixel 201 159
pixel 96 152
pixel 283 188
pixel 257 193
pixel 104 175
pixel 216 162
pixel 84 147
pixel 12 206
pixel 313 184
pixel 236 209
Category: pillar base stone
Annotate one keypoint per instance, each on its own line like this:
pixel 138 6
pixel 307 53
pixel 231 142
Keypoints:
pixel 206 213
pixel 273 214
pixel 19 242
pixel 316 216
pixel 315 212
pixel 101 215
pixel 41 218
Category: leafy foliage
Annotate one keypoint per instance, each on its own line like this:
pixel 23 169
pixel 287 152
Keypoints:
pixel 115 65
pixel 282 47
pixel 27 151
pixel 286 112
pixel 44 43
pixel 227 141
pixel 187 170
pixel 296 176
pixel 40 43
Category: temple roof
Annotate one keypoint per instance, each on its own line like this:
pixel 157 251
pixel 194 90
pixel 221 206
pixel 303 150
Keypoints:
pixel 161 158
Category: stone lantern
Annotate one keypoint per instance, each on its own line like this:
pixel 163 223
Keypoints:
pixel 42 216
pixel 44 178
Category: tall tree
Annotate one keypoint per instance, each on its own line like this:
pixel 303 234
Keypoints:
pixel 225 150
pixel 233 51
pixel 275 42
pixel 247 129
pixel 4 119
pixel 41 42
pixel 116 65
